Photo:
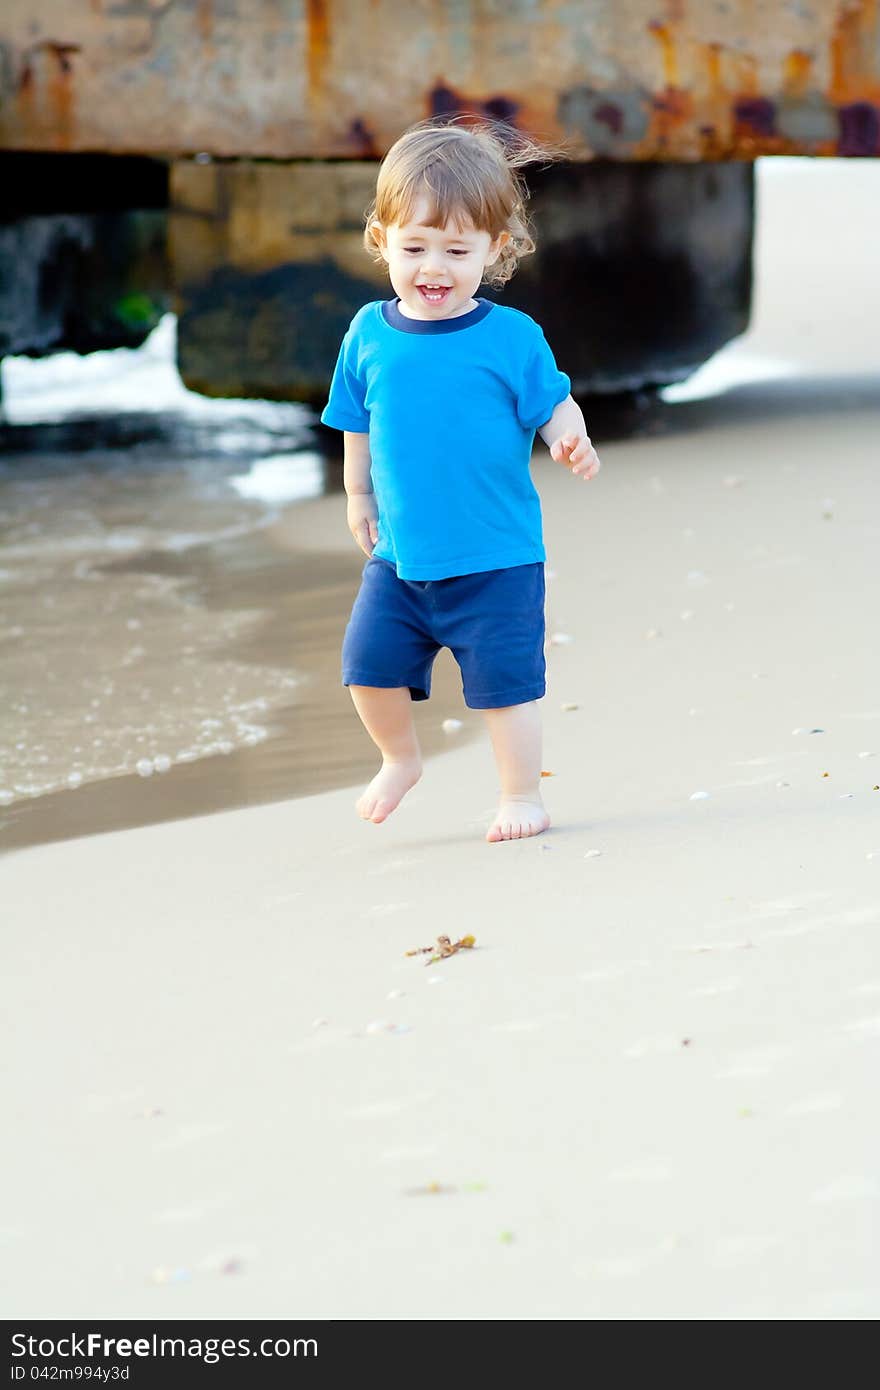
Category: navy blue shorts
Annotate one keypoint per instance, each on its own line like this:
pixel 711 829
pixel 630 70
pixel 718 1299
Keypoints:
pixel 492 622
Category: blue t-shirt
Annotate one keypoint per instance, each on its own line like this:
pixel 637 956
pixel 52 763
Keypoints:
pixel 451 407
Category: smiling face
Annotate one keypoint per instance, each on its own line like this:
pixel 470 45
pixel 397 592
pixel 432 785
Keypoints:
pixel 435 271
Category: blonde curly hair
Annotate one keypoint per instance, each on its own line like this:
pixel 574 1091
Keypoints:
pixel 469 170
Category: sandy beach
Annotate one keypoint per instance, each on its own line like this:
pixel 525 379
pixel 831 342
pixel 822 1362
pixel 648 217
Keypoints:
pixel 649 1091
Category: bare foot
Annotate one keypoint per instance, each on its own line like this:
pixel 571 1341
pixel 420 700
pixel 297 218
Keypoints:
pixel 388 788
pixel 518 818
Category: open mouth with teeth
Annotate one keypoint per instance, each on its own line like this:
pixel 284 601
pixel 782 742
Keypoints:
pixel 434 294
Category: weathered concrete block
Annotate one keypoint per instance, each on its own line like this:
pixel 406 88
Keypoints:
pixel 642 271
pixel 268 266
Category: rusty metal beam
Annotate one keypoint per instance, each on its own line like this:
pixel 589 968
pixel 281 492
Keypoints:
pixel 339 79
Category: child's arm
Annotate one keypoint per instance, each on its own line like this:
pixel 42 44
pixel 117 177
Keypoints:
pixel 565 434
pixel 363 515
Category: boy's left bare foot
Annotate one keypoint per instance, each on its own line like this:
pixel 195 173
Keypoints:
pixel 518 818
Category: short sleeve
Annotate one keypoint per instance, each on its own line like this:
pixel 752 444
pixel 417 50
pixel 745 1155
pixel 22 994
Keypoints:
pixel 542 385
pixel 345 409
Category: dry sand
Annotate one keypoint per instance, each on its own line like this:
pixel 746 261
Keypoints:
pixel 650 1092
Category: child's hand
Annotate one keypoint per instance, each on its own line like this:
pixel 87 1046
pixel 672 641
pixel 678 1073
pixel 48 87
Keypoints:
pixel 363 518
pixel 577 453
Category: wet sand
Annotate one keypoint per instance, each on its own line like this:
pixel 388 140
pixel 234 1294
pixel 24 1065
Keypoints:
pixel 306 737
pixel 649 1091
pixel 210 656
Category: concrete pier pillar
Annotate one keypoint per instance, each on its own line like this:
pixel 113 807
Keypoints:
pixel 641 272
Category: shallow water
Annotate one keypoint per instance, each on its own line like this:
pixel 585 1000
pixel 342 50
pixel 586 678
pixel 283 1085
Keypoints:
pixel 166 653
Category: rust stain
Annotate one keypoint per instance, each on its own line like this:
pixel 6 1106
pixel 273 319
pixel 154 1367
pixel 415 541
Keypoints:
pixel 362 139
pixel 672 106
pixel 747 75
pixel 714 132
pixel 205 19
pixel 859 134
pixel 443 100
pixel 609 114
pixel 755 116
pixel 501 108
pixel 672 109
pixel 62 52
pixel 61 91
pixel 25 95
pixel 854 43
pixel 797 73
pixel 664 36
pixel 318 44
pixel 446 101
pixel 713 52
pixel 58 58
pixel 854 84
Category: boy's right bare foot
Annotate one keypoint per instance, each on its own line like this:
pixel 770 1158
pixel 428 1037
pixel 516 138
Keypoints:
pixel 388 788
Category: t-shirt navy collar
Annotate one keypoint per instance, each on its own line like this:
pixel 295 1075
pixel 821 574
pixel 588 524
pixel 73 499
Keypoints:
pixel 392 315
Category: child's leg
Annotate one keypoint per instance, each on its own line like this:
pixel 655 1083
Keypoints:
pixel 387 717
pixel 515 732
